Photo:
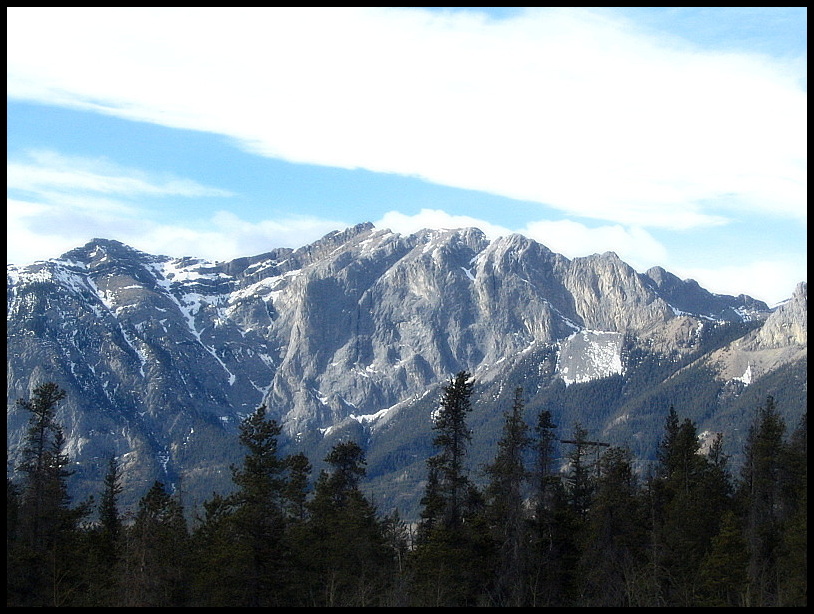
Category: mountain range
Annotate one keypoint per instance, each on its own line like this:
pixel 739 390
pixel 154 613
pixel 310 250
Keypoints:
pixel 354 335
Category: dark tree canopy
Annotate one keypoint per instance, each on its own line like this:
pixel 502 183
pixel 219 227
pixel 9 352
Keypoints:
pixel 528 529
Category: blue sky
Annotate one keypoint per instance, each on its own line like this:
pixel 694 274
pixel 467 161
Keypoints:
pixel 673 136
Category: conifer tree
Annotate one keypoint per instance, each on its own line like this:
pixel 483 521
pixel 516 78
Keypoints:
pixel 253 533
pixel 684 466
pixel 554 551
pixel 12 523
pixel 296 488
pixel 793 556
pixel 43 558
pixel 723 569
pixel 397 537
pixel 260 549
pixel 666 451
pixel 454 554
pixel 217 557
pixel 109 519
pixel 43 464
pixel 452 438
pixel 761 485
pixel 690 493
pixel 615 538
pixel 349 559
pixel 432 506
pixel 580 479
pixel 104 544
pixel 156 570
pixel 505 509
pixel 546 474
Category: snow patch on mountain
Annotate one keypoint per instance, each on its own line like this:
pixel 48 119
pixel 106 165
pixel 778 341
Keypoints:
pixel 588 355
pixel 746 378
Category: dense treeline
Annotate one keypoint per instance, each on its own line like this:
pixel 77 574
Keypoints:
pixel 596 534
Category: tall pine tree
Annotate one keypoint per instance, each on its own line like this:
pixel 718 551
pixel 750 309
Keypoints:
pixel 615 538
pixel 43 565
pixel 105 544
pixel 554 550
pixel 690 494
pixel 451 560
pixel 761 489
pixel 246 531
pixel 156 558
pixel 580 479
pixel 453 438
pixel 260 510
pixel 505 507
pixel 349 560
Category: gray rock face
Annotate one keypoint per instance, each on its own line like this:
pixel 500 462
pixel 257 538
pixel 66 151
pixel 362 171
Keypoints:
pixel 781 340
pixel 162 357
pixel 788 324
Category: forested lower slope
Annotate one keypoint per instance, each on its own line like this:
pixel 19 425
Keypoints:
pixel 527 531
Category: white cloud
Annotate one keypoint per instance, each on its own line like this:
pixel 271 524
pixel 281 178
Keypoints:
pixel 250 238
pixel 50 173
pixel 38 230
pixel 226 236
pixel 436 219
pixel 634 245
pixel 70 200
pixel 568 107
pixel 27 240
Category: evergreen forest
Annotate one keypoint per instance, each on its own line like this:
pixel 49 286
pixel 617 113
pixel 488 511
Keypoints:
pixel 692 531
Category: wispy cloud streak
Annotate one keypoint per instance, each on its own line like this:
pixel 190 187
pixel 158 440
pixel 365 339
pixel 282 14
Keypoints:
pixel 49 173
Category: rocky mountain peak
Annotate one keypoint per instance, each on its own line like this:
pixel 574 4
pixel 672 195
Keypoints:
pixel 788 323
pixel 661 277
pixel 688 296
pixel 609 295
pixel 332 242
pixel 100 250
